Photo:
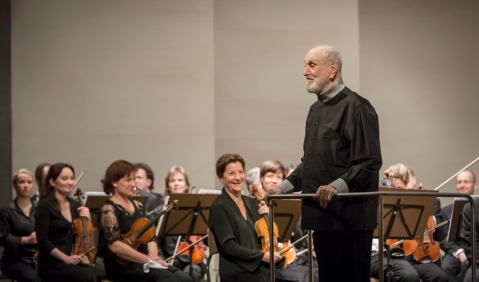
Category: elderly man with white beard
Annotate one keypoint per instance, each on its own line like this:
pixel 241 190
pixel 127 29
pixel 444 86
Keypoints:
pixel 341 155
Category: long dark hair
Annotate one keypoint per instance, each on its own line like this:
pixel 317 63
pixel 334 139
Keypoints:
pixel 48 191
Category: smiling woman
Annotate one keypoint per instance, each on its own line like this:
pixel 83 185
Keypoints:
pixel 55 213
pixel 232 221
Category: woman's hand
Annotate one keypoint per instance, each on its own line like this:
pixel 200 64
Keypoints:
pixel 277 257
pixel 30 239
pixel 84 212
pixel 73 259
pixel 263 209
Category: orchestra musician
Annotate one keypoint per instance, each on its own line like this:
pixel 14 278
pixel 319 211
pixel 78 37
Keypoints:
pixel 232 221
pixel 252 180
pixel 451 263
pixel 40 174
pixel 53 224
pixel 17 230
pixel 144 181
pixel 177 182
pixel 407 269
pixel 117 216
pixel 342 154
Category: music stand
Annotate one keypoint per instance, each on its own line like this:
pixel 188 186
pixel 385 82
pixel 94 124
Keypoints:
pixel 455 226
pixel 190 218
pixel 94 203
pixel 286 216
pixel 405 217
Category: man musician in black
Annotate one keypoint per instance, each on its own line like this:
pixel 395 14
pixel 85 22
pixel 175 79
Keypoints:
pixel 341 155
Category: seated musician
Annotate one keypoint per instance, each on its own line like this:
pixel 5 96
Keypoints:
pixel 408 269
pixel 177 182
pixel 117 216
pixel 144 181
pixel 451 263
pixel 17 230
pixel 53 225
pixel 232 221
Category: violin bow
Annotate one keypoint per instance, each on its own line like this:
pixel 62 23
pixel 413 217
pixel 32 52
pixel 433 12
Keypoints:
pixel 294 244
pixel 467 166
pixel 186 249
pixel 399 242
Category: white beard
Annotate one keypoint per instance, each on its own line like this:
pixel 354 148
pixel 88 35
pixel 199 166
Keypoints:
pixel 317 85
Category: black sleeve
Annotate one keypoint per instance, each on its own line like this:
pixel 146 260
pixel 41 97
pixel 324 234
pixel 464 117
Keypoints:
pixel 362 130
pixel 43 216
pixel 9 241
pixel 109 224
pixel 220 225
pixel 296 178
pixel 467 229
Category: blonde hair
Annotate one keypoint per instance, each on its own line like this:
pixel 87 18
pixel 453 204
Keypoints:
pixel 21 171
pixel 176 169
pixel 400 171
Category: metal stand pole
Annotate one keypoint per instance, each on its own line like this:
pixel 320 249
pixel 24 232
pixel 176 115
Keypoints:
pixel 271 240
pixel 380 239
pixel 310 256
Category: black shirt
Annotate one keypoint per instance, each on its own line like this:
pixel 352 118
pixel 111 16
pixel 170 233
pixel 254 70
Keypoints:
pixel 14 225
pixel 236 238
pixel 53 229
pixel 341 143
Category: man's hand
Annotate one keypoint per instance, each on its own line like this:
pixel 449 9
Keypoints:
pixel 324 195
pixel 462 256
pixel 274 191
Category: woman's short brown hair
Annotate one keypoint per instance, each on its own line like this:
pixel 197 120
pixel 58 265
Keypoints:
pixel 116 171
pixel 176 169
pixel 272 166
pixel 226 159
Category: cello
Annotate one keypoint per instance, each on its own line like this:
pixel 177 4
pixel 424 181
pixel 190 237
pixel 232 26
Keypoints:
pixel 83 229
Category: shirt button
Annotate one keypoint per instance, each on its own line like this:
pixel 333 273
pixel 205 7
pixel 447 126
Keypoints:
pixel 309 153
pixel 306 167
pixel 312 137
pixel 316 123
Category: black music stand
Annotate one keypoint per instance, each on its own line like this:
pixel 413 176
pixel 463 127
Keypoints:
pixel 455 225
pixel 190 218
pixel 286 216
pixel 405 217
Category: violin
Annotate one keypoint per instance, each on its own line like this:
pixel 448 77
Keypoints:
pixel 427 247
pixel 142 231
pixel 83 229
pixel 198 252
pixel 262 229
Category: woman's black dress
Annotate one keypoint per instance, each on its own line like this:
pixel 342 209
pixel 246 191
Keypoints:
pixel 17 259
pixel 55 231
pixel 115 221
pixel 238 245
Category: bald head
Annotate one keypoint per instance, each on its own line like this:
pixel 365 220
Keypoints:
pixel 322 69
pixel 328 55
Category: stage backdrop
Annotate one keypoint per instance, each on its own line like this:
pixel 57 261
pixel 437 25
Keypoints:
pixel 182 82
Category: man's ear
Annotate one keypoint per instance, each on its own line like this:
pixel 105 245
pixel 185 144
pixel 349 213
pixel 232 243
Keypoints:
pixel 334 71
pixel 148 181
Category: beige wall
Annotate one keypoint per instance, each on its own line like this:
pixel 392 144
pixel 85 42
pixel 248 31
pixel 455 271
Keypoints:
pixel 260 94
pixel 182 82
pixel 97 81
pixel 419 68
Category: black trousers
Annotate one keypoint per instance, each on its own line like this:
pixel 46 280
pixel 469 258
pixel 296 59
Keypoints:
pixel 20 271
pixel 466 271
pixel 343 255
pixel 402 270
pixel 60 272
pixel 430 272
pixel 134 272
pixel 452 266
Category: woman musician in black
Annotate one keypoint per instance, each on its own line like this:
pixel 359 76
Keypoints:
pixel 17 230
pixel 232 221
pixel 53 224
pixel 117 216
